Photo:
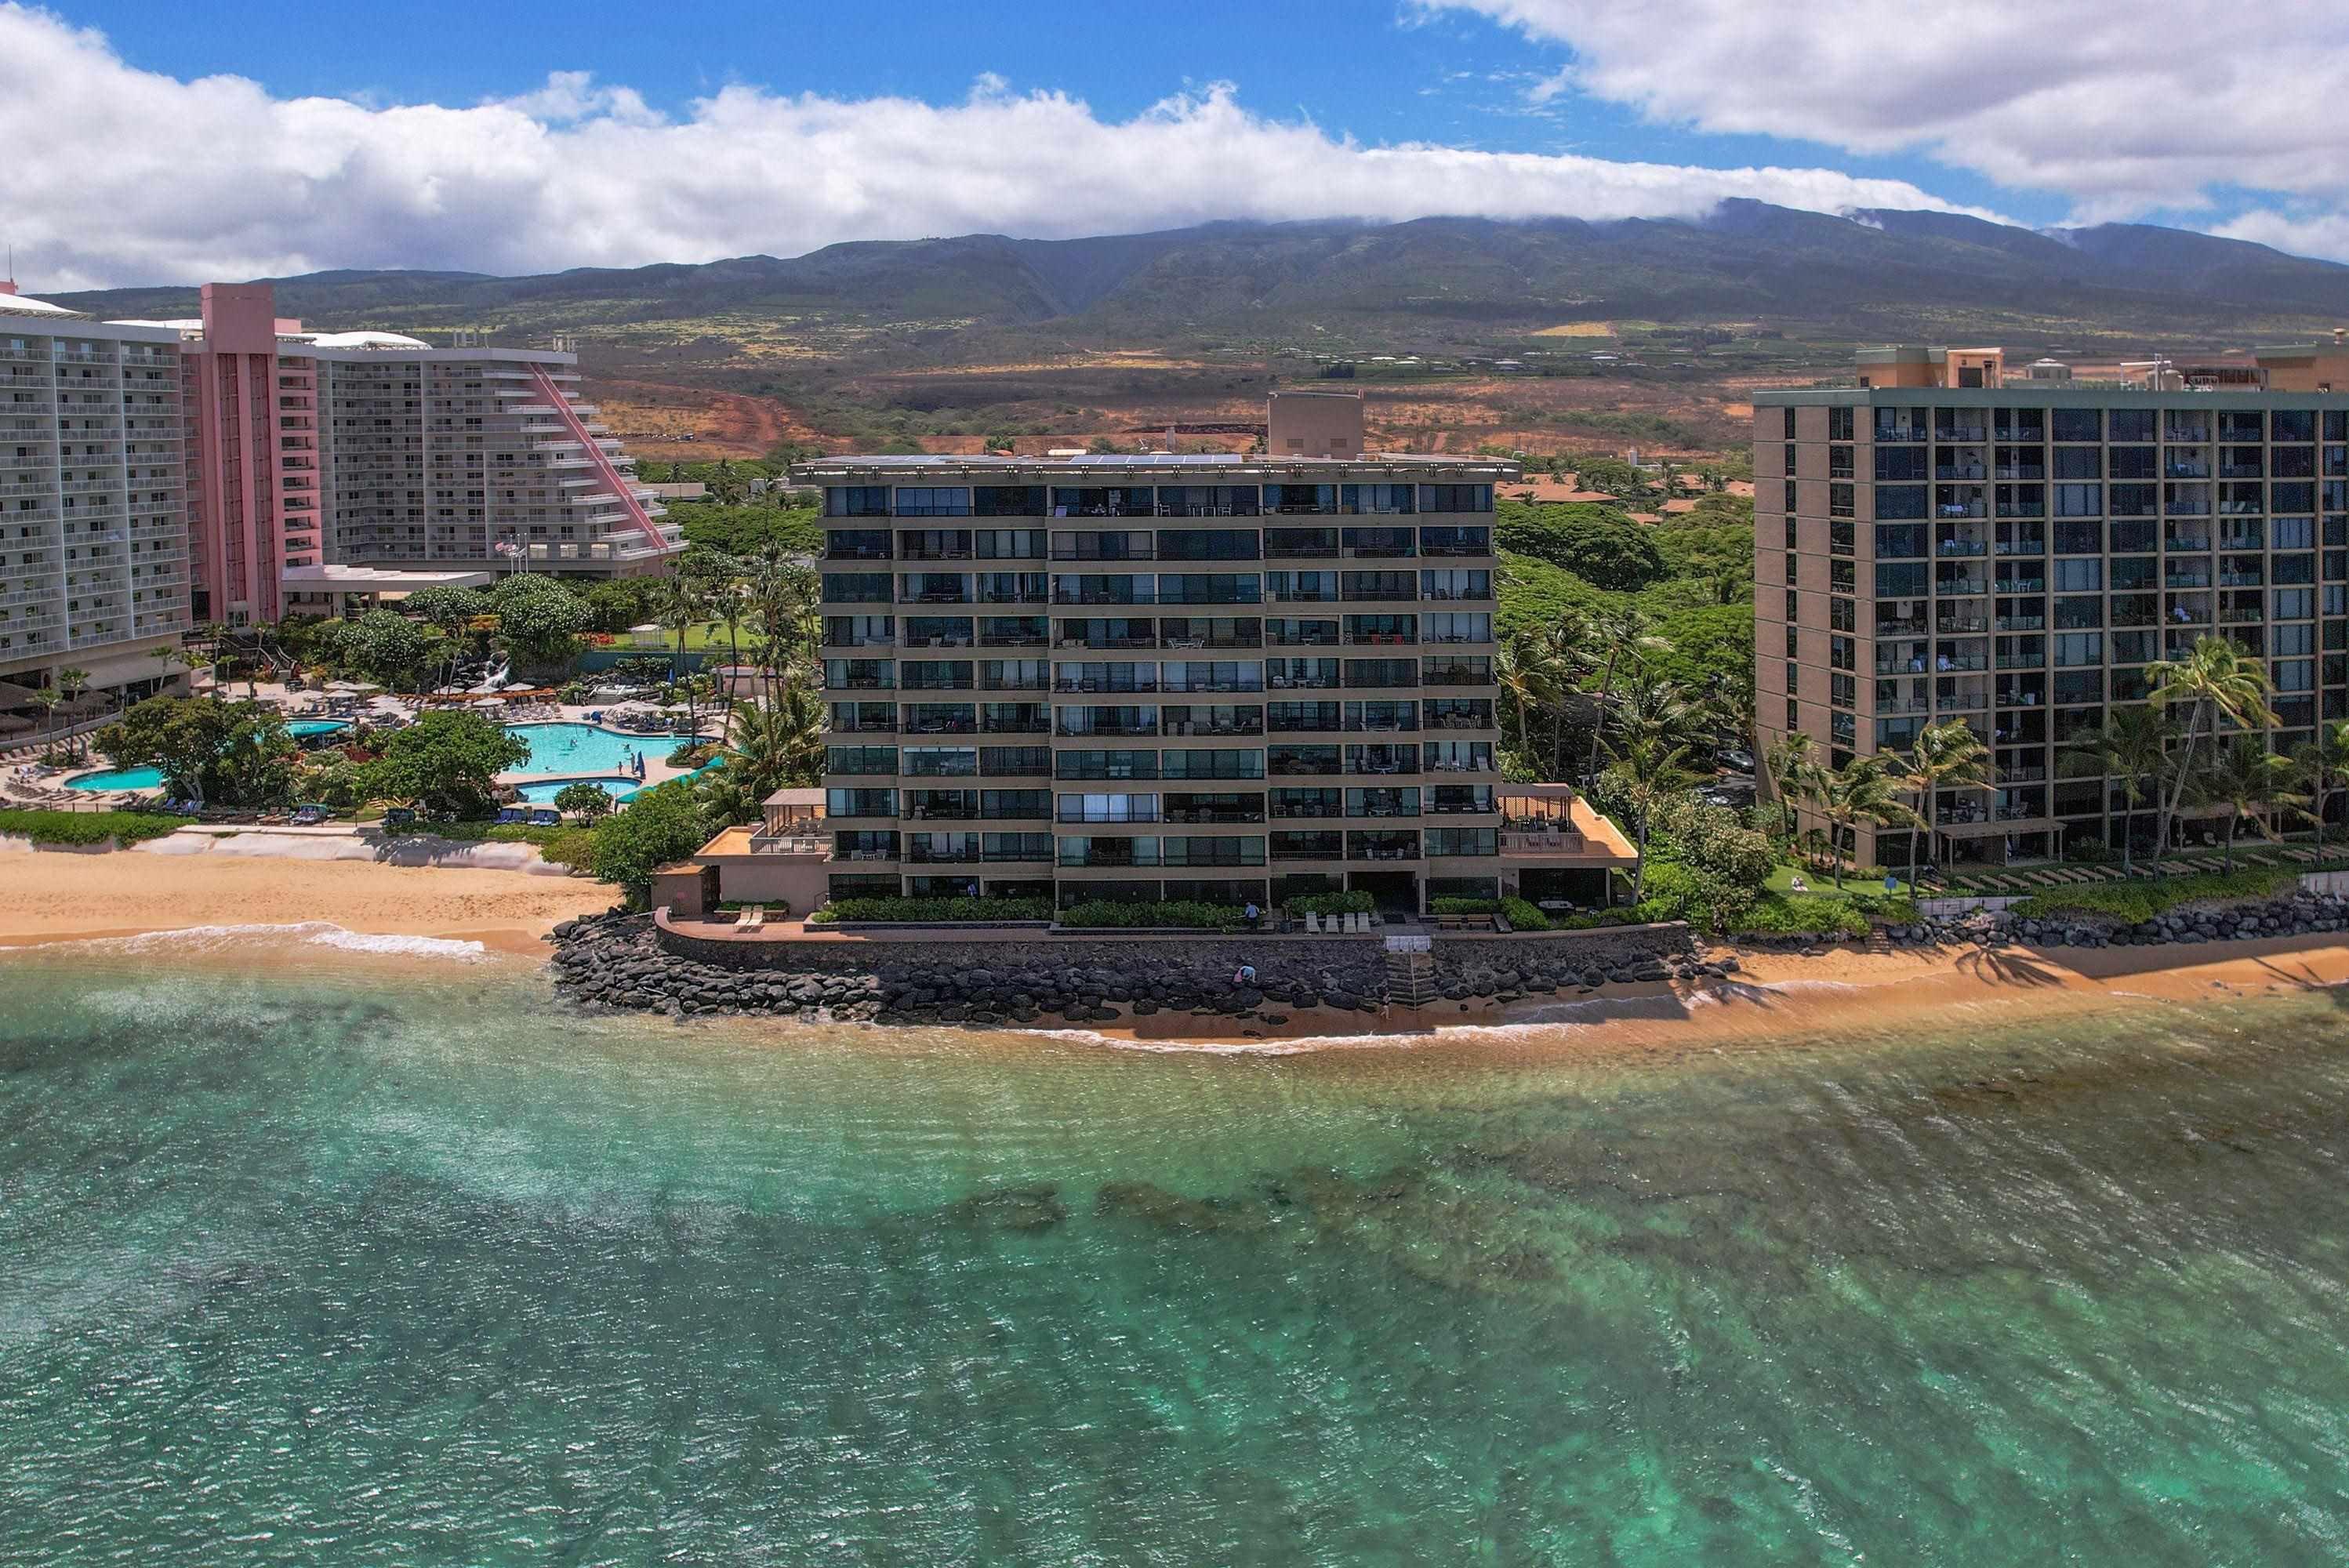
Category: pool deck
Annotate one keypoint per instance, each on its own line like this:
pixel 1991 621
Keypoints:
pixel 50 790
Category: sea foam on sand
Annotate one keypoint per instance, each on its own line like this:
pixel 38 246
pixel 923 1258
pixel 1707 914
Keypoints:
pixel 313 932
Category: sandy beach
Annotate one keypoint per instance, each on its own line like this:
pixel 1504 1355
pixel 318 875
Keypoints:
pixel 53 897
pixel 1778 994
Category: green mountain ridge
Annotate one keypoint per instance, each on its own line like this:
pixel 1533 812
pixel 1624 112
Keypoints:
pixel 1866 272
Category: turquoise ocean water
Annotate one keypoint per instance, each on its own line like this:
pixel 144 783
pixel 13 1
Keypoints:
pixel 393 1262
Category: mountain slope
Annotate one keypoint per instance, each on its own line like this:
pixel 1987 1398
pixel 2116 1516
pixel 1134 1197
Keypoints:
pixel 1872 271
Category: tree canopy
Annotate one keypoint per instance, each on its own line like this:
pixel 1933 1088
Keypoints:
pixel 221 753
pixel 1600 545
pixel 447 760
pixel 661 824
pixel 743 530
pixel 538 618
pixel 386 645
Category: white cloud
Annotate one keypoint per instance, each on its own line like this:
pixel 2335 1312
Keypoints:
pixel 122 176
pixel 2123 109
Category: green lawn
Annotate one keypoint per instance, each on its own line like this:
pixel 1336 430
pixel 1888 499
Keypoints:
pixel 1782 880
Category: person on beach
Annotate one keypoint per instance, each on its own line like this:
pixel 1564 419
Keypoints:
pixel 1798 885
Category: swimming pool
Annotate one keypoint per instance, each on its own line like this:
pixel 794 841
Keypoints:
pixel 153 777
pixel 586 747
pixel 118 779
pixel 618 787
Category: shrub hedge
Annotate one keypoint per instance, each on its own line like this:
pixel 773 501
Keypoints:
pixel 1463 906
pixel 928 910
pixel 81 828
pixel 1333 904
pixel 2131 903
pixel 1523 915
pixel 1131 916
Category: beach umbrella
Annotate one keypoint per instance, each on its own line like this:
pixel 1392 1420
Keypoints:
pixel 89 703
pixel 12 725
pixel 15 695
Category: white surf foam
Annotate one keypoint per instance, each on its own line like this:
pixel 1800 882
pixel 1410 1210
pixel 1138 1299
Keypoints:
pixel 313 932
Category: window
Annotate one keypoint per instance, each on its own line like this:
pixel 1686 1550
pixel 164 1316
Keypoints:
pixel 1790 533
pixel 2079 463
pixel 1843 614
pixel 2077 424
pixel 1899 540
pixel 1460 498
pixel 1839 462
pixel 1790 425
pixel 2079 575
pixel 932 501
pixel 1840 424
pixel 1897 502
pixel 2075 648
pixel 2297 639
pixel 2132 425
pixel 2079 539
pixel 2295 603
pixel 1897 463
pixel 1840 500
pixel 1901 580
pixel 856 500
pixel 2292 425
pixel 2079 501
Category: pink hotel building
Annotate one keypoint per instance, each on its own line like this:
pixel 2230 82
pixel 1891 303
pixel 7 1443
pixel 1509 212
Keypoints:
pixel 327 463
pixel 233 466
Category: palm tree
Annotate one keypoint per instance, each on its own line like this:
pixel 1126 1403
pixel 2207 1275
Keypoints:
pixel 49 697
pixel 677 608
pixel 2321 767
pixel 1660 710
pixel 1864 790
pixel 781 593
pixel 1948 754
pixel 2216 680
pixel 725 605
pixel 768 747
pixel 1567 643
pixel 1791 767
pixel 1647 770
pixel 2245 780
pixel 73 683
pixel 1620 631
pixel 2133 746
pixel 1529 676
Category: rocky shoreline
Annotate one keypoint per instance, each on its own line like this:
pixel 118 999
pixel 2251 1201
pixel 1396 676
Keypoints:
pixel 620 962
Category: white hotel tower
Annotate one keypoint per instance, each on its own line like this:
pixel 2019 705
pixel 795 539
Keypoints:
pixel 93 516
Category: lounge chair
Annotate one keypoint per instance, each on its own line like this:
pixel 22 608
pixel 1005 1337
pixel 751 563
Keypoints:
pixel 545 816
pixel 507 815
pixel 753 917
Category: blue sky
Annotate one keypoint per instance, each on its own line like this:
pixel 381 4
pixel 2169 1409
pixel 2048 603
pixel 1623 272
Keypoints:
pixel 1379 73
pixel 527 137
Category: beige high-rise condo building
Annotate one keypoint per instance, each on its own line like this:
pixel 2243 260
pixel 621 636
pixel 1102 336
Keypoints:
pixel 1946 539
pixel 1209 677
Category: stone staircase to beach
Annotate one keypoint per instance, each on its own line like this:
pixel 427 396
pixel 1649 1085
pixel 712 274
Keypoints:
pixel 1411 979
